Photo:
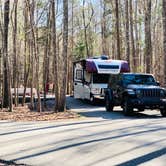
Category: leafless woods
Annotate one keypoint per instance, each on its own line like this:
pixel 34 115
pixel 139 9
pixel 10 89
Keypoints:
pixel 40 39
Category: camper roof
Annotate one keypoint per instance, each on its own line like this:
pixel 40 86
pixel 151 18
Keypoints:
pixel 107 66
pixel 104 65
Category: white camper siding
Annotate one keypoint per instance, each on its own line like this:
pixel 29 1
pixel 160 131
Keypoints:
pixel 86 92
pixel 86 85
pixel 87 77
pixel 78 90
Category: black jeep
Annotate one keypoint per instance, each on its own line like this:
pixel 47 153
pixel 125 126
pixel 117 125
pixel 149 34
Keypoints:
pixel 130 90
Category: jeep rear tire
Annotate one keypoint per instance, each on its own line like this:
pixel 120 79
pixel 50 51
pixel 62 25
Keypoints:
pixel 108 105
pixel 163 112
pixel 127 110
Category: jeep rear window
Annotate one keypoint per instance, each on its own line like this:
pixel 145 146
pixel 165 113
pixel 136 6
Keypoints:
pixel 139 79
pixel 100 78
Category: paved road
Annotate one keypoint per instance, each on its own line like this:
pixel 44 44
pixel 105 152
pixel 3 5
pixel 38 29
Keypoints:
pixel 102 139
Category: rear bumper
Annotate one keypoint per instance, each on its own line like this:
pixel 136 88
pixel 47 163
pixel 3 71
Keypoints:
pixel 150 103
pixel 101 97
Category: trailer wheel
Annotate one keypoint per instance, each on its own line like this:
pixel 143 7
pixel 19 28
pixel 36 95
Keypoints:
pixel 92 100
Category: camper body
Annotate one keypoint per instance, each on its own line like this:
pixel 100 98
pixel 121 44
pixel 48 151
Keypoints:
pixel 90 76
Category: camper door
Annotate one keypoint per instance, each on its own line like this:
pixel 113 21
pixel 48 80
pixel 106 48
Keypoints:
pixel 78 83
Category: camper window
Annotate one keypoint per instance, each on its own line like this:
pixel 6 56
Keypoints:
pixel 79 74
pixel 100 78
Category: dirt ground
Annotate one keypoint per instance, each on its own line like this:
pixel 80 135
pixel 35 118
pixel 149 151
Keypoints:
pixel 25 114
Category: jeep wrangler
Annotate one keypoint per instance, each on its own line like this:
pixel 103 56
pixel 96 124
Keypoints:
pixel 130 90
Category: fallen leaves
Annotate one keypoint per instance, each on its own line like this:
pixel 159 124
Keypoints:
pixel 25 114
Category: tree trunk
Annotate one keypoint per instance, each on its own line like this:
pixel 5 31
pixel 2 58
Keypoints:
pixel 15 52
pixel 45 61
pixel 85 30
pixel 34 34
pixel 164 38
pixel 137 38
pixel 7 102
pixel 70 59
pixel 54 52
pixel 62 106
pixel 105 50
pixel 32 74
pixel 118 51
pixel 134 60
pixel 127 32
pixel 1 58
pixel 148 45
pixel 1 78
pixel 26 22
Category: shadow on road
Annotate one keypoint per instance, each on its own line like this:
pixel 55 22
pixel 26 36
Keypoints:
pixel 138 160
pixel 98 110
pixel 97 140
pixel 118 114
pixel 145 158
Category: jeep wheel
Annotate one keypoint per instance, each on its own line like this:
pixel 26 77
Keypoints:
pixel 127 110
pixel 163 112
pixel 108 105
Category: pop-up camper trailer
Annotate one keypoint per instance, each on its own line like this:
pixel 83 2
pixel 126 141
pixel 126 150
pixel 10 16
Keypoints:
pixel 91 75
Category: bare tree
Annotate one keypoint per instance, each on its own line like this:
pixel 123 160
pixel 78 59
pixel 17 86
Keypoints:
pixel 118 48
pixel 164 38
pixel 62 105
pixel 70 52
pixel 134 60
pixel 137 44
pixel 127 31
pixel 54 52
pixel 86 26
pixel 34 37
pixel 1 54
pixel 46 58
pixel 14 25
pixel 7 97
pixel 104 33
pixel 85 29
pixel 26 43
pixel 148 42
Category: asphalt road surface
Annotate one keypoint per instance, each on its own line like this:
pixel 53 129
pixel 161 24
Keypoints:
pixel 99 139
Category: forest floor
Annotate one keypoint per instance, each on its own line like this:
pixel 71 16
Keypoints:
pixel 26 114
